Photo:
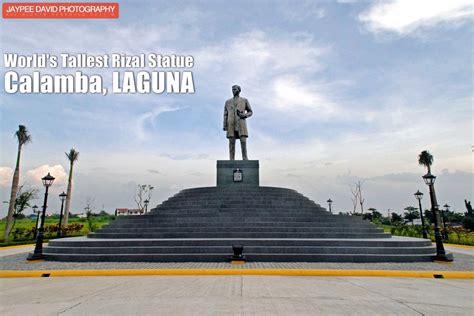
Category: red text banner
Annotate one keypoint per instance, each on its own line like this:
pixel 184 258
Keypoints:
pixel 60 10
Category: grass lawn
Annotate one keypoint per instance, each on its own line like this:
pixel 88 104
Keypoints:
pixel 26 223
pixel 464 238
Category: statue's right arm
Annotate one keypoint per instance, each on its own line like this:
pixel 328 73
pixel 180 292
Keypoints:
pixel 225 118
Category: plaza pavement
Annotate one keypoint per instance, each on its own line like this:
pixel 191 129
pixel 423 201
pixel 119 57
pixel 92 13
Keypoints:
pixel 13 258
pixel 235 294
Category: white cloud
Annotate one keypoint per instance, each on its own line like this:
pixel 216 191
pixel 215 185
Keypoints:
pixel 347 1
pixel 290 93
pixel 301 10
pixel 147 119
pixel 276 73
pixel 6 175
pixel 57 171
pixel 257 55
pixel 406 16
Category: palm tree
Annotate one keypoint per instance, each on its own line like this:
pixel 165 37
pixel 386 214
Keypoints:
pixel 72 155
pixel 411 214
pixel 426 159
pixel 23 137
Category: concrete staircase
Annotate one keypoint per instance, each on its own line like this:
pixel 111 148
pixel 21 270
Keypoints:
pixel 273 224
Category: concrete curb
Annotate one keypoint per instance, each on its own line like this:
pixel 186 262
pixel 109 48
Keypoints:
pixel 18 246
pixel 458 246
pixel 274 272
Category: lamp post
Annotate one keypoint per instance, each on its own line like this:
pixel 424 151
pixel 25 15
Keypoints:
pixel 35 211
pixel 419 196
pixel 62 197
pixel 330 203
pixel 443 216
pixel 38 253
pixel 441 254
pixel 146 205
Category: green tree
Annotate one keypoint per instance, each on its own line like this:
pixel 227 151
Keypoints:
pixel 23 138
pixel 468 220
pixel 143 194
pixel 411 214
pixel 426 159
pixel 453 217
pixel 428 216
pixel 23 200
pixel 396 219
pixel 72 156
pixel 374 215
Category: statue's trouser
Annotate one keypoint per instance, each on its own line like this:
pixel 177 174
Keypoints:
pixel 232 148
pixel 243 145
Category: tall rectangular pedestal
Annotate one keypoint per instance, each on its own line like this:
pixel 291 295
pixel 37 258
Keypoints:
pixel 237 173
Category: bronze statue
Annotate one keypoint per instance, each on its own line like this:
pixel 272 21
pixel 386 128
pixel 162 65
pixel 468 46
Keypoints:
pixel 236 111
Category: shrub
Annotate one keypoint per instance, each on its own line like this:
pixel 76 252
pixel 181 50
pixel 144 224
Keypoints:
pixel 20 233
pixel 72 228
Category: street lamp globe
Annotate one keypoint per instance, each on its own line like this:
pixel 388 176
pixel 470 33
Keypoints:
pixel 446 206
pixel 429 179
pixel 62 196
pixel 48 180
pixel 418 195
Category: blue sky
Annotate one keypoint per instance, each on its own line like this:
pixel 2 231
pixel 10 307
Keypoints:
pixel 341 91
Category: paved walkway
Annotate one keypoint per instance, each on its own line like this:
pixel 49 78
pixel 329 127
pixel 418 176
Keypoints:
pixel 460 249
pixel 15 259
pixel 13 250
pixel 235 295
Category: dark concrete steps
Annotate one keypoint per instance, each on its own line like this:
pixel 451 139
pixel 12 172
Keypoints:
pixel 238 219
pixel 273 224
pixel 246 234
pixel 244 225
pixel 248 249
pixel 291 257
pixel 264 242
pixel 237 229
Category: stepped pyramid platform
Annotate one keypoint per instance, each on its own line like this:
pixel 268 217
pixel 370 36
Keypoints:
pixel 273 224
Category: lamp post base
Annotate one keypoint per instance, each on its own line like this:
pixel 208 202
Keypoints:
pixel 447 257
pixel 237 259
pixel 35 256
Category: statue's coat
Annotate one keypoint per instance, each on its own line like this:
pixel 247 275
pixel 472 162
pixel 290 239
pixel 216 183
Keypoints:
pixel 232 122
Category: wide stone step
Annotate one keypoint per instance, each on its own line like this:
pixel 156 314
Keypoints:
pixel 237 218
pixel 237 221
pixel 264 242
pixel 119 257
pixel 238 208
pixel 239 212
pixel 249 190
pixel 238 215
pixel 246 234
pixel 238 229
pixel 248 249
pixel 232 199
pixel 267 207
pixel 125 224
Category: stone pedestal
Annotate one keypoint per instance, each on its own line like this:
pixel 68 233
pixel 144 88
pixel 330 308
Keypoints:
pixel 237 173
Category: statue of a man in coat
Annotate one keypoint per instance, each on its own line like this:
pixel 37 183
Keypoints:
pixel 236 111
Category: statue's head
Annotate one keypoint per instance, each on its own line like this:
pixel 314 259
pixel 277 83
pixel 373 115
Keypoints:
pixel 236 90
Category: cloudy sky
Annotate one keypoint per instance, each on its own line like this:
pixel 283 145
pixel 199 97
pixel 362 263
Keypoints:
pixel 341 91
